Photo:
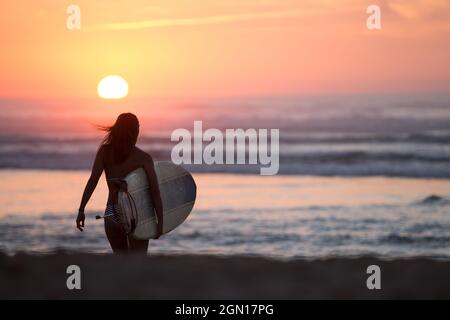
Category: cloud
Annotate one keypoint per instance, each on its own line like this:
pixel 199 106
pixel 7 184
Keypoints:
pixel 421 9
pixel 218 19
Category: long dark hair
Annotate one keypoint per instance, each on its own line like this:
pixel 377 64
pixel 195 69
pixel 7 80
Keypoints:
pixel 122 136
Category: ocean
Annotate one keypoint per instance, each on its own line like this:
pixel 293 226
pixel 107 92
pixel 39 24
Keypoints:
pixel 358 175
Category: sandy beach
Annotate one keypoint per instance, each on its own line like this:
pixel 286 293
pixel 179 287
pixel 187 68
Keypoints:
pixel 216 277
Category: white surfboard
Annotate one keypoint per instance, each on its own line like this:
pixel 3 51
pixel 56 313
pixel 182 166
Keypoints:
pixel 178 192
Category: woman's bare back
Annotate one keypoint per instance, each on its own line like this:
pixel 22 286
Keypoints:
pixel 137 159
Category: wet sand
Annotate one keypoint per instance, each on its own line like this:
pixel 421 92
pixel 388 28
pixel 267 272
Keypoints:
pixel 218 277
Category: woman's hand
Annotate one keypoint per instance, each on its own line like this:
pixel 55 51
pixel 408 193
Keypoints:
pixel 80 220
pixel 155 195
pixel 159 231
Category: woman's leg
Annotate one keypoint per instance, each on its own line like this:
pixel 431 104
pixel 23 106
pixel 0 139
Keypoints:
pixel 116 236
pixel 137 246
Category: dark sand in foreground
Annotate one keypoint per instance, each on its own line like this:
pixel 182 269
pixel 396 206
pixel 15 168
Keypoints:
pixel 215 277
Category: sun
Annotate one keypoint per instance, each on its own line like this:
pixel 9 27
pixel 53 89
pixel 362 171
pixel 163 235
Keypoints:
pixel 112 87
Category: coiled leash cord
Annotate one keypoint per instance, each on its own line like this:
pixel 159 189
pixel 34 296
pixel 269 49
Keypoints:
pixel 120 185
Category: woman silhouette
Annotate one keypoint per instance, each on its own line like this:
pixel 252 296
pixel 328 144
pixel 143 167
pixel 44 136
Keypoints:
pixel 118 156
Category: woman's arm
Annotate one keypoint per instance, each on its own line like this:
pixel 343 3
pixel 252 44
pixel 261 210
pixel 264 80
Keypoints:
pixel 96 173
pixel 155 193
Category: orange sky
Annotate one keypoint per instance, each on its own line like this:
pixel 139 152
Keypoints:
pixel 200 48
